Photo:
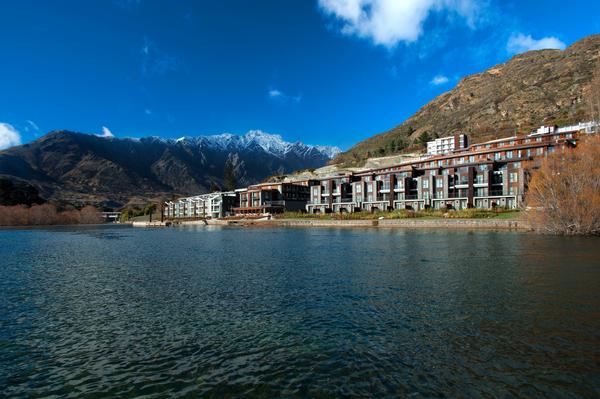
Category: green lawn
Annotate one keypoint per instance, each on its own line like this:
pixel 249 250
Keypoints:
pixel 404 214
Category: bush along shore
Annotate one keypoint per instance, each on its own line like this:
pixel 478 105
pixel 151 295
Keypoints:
pixel 48 214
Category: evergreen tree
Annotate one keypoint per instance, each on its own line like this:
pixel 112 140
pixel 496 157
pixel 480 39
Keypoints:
pixel 214 187
pixel 424 138
pixel 229 181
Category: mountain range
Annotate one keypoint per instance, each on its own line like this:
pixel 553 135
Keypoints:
pixel 534 88
pixel 78 168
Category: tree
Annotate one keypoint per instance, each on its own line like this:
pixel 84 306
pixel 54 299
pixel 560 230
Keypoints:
pixel 229 181
pixel 424 138
pixel 90 215
pixel 214 187
pixel 149 208
pixel 564 194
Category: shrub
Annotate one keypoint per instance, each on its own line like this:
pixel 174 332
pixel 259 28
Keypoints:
pixel 564 194
pixel 47 214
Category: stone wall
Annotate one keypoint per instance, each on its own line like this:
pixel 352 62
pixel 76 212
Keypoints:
pixel 493 224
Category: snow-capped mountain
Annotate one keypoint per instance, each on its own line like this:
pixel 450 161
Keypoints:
pixel 270 143
pixel 76 167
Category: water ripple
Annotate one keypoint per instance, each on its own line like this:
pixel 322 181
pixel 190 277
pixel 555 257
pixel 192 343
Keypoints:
pixel 189 312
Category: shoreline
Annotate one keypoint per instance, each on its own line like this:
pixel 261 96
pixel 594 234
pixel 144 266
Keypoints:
pixel 474 224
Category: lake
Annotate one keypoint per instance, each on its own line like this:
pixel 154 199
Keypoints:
pixel 113 311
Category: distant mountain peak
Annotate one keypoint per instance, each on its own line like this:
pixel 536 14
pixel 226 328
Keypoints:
pixel 273 144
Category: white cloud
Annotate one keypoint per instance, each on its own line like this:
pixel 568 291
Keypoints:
pixel 274 93
pixel 519 43
pixel 32 124
pixel 388 22
pixel 106 132
pixel 281 96
pixel 9 136
pixel 439 80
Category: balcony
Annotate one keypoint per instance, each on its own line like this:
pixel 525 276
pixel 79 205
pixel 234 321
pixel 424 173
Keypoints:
pixel 344 200
pixel 274 203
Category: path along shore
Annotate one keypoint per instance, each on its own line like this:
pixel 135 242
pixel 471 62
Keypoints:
pixel 487 224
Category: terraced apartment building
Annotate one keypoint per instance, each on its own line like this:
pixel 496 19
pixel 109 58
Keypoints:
pixel 485 175
pixel 204 206
pixel 271 198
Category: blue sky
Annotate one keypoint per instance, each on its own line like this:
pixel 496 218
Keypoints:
pixel 324 71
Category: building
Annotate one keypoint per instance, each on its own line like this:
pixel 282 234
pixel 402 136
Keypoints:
pixel 445 145
pixel 204 206
pixel 333 194
pixel 485 175
pixel 271 198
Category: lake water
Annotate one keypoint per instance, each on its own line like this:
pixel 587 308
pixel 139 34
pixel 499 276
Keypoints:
pixel 238 312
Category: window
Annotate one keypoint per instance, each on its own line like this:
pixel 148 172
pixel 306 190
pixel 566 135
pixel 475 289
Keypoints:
pixel 509 154
pixel 497 156
pixel 369 188
pixel 439 183
pixel 358 188
pixel 472 158
pixel 513 177
pixel 426 183
pixel 529 152
pixel 540 151
pixel 517 165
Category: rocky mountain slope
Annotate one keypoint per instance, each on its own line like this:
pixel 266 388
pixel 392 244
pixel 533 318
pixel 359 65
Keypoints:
pixel 534 88
pixel 82 168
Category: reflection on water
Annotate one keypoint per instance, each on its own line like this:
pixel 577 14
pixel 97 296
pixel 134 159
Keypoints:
pixel 214 312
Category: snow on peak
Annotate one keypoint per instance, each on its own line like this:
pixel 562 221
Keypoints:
pixel 271 143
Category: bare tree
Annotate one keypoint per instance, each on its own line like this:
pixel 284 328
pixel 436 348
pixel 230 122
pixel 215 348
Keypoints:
pixel 47 214
pixel 564 194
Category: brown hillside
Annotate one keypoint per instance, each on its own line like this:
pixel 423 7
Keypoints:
pixel 534 88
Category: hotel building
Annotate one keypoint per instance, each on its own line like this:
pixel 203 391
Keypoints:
pixel 211 206
pixel 485 175
pixel 445 145
pixel 272 198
